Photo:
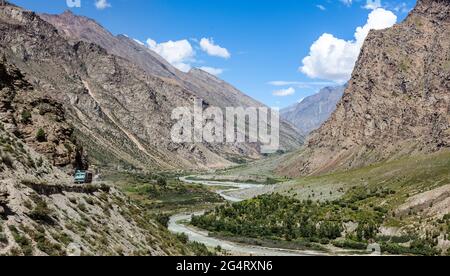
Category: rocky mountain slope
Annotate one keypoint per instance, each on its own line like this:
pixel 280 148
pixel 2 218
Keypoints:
pixel 397 102
pixel 41 211
pixel 119 113
pixel 37 119
pixel 313 111
pixel 214 91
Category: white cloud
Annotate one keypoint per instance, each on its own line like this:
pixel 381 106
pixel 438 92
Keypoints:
pixel 372 4
pixel 347 2
pixel 207 45
pixel 178 53
pixel 102 4
pixel 402 7
pixel 302 84
pixel 212 70
pixel 284 92
pixel 321 7
pixel 331 58
pixel 139 42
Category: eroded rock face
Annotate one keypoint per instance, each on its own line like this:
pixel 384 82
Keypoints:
pixel 25 111
pixel 40 204
pixel 120 112
pixel 397 102
pixel 214 91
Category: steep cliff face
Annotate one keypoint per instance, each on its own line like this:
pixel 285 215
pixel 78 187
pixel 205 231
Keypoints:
pixel 211 89
pixel 313 111
pixel 397 102
pixel 36 118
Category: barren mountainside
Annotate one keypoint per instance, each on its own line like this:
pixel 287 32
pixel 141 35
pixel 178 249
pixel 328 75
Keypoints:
pixel 118 112
pixel 313 111
pixel 214 91
pixel 397 102
pixel 41 211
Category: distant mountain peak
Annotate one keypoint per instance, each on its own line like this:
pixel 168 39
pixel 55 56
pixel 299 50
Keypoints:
pixel 311 112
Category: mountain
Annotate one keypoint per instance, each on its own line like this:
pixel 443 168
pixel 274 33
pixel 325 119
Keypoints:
pixel 211 89
pixel 309 114
pixel 119 113
pixel 41 211
pixel 397 102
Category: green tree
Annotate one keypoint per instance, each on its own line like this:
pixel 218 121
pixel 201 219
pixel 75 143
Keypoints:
pixel 161 181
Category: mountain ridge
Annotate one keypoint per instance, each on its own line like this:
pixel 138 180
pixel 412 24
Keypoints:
pixel 73 71
pixel 313 111
pixel 210 88
pixel 397 102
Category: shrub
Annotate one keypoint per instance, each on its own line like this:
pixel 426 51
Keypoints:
pixel 161 181
pixel 271 181
pixel 402 239
pixel 40 162
pixel 366 230
pixel 349 244
pixel 22 241
pixel 200 249
pixel 183 238
pixel 163 219
pixel 7 160
pixel 26 117
pixel 3 238
pixel 41 212
pixel 89 201
pixel 49 248
pixel 41 136
pixel 82 207
pixel 330 230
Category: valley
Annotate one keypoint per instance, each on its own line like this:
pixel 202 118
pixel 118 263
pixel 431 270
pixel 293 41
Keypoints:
pixel 360 165
pixel 360 209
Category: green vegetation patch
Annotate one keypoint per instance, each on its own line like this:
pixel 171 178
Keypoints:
pixel 276 216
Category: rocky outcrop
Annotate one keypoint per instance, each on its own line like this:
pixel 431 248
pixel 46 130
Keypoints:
pixel 36 118
pixel 313 111
pixel 43 213
pixel 397 102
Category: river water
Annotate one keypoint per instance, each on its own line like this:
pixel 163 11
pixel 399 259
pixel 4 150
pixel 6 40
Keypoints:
pixel 178 225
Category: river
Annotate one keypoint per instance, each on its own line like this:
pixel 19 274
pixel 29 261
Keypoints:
pixel 178 225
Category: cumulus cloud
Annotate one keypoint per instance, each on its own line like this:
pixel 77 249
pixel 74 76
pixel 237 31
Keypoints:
pixel 284 92
pixel 331 58
pixel 102 4
pixel 212 70
pixel 178 53
pixel 208 46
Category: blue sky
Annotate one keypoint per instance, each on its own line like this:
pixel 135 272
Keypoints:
pixel 259 46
